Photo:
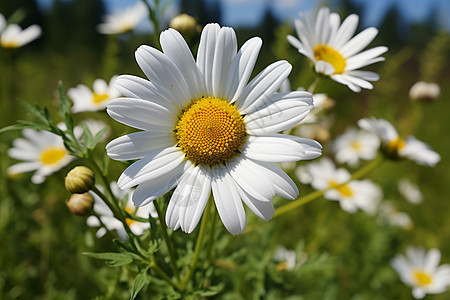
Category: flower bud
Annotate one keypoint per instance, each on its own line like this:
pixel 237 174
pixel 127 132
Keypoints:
pixel 80 204
pixel 79 180
pixel 427 91
pixel 185 24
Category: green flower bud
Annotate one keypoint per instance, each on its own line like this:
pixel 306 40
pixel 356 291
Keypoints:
pixel 185 24
pixel 79 180
pixel 80 204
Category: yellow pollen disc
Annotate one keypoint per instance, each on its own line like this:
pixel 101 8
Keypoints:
pixel 344 189
pixel 52 155
pixel 10 44
pixel 355 145
pixel 210 131
pixel 396 145
pixel 422 277
pixel 331 56
pixel 131 211
pixel 99 98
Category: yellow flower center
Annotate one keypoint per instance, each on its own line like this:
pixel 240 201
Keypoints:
pixel 422 277
pixel 131 211
pixel 99 98
pixel 52 155
pixel 344 189
pixel 331 56
pixel 10 44
pixel 210 131
pixel 396 145
pixel 355 145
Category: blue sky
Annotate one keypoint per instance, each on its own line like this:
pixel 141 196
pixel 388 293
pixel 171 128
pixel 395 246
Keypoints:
pixel 250 12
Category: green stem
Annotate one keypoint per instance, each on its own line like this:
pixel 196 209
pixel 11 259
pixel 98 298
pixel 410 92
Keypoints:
pixel 198 245
pixel 167 240
pixel 314 85
pixel 316 194
pixel 211 238
pixel 162 274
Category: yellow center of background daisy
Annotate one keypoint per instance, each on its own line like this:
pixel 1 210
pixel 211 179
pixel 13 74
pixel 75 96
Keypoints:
pixel 99 97
pixel 331 56
pixel 421 277
pixel 210 131
pixel 52 155
pixel 10 44
pixel 344 189
pixel 131 211
pixel 396 145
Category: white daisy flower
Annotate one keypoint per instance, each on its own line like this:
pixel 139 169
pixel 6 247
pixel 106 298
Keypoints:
pixel 206 128
pixel 354 145
pixel 111 223
pixel 354 194
pixel 86 100
pixel 410 191
pixel 330 46
pixel 422 90
pixel 287 258
pixel 394 146
pixel 12 36
pixel 42 151
pixel 124 20
pixel 421 271
pixel 389 215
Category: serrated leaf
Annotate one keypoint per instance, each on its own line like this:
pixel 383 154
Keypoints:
pixel 142 279
pixel 105 163
pixel 112 259
pixel 22 125
pixel 97 138
pixel 35 112
pixel 69 122
pixel 86 137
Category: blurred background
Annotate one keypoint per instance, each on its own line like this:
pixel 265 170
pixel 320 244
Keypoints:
pixel 42 243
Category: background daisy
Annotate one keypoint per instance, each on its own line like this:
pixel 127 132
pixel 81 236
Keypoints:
pixel 13 36
pixel 123 20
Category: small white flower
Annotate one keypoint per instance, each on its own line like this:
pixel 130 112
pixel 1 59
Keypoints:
pixel 354 145
pixel 422 90
pixel 409 191
pixel 95 126
pixel 395 146
pixel 42 151
pixel 111 223
pixel 12 36
pixel 420 270
pixel 330 46
pixel 207 129
pixel 287 258
pixel 86 100
pixel 351 194
pixel 125 20
pixel 388 215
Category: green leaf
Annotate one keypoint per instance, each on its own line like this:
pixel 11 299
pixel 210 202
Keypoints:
pixel 97 138
pixel 142 279
pixel 112 259
pixel 35 112
pixel 86 137
pixel 105 163
pixel 64 102
pixel 22 125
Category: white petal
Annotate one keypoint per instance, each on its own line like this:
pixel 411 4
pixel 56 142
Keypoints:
pixel 312 148
pixel 150 167
pixel 148 191
pixel 247 174
pixel 345 32
pixel 261 88
pixel 141 114
pixel 139 144
pixel 272 148
pixel 324 68
pixel 175 47
pixel 205 54
pixel 23 167
pixel 226 47
pixel 263 210
pixel 367 75
pixel 432 260
pixel 280 112
pixel 163 73
pixel 190 196
pixel 359 42
pixel 227 199
pixel 365 58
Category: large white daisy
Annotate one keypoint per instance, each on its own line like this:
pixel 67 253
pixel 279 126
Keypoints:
pixel 206 128
pixel 13 36
pixel 421 271
pixel 394 146
pixel 42 151
pixel 85 99
pixel 330 46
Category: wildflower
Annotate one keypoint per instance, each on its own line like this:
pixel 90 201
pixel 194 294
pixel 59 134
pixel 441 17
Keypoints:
pixel 420 270
pixel 86 100
pixel 395 147
pixel 354 145
pixel 79 180
pixel 389 215
pixel 333 51
pixel 286 258
pixel 185 24
pixel 351 194
pixel 42 151
pixel 124 20
pixel 206 128
pixel 80 204
pixel 12 36
pixel 112 223
pixel 422 90
pixel 409 191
